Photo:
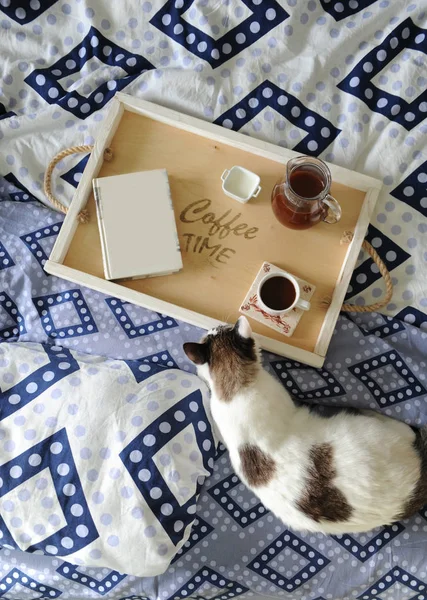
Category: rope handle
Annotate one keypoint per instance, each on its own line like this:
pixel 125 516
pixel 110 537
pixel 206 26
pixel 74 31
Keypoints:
pixel 347 237
pixel 83 215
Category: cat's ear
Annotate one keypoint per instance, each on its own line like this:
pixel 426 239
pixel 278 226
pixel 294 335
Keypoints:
pixel 197 353
pixel 243 328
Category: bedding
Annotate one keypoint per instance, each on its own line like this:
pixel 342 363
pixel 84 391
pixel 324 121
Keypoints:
pixel 341 80
pixel 107 456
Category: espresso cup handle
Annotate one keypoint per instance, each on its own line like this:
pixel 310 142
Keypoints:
pixel 334 213
pixel 303 304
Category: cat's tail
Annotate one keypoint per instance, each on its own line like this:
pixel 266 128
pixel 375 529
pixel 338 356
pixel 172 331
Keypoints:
pixel 420 444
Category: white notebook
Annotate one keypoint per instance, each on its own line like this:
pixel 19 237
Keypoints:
pixel 137 225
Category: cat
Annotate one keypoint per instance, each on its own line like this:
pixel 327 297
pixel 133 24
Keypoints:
pixel 346 473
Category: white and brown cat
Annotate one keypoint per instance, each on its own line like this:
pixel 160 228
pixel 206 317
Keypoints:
pixel 345 473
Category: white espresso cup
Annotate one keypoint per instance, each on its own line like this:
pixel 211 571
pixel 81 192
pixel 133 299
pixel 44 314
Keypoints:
pixel 279 293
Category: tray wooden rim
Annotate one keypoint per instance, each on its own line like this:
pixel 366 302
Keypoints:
pixel 122 102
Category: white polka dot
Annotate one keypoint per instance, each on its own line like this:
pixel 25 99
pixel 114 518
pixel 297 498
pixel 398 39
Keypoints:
pixel 391 255
pixel 34 460
pixel 131 62
pixel 194 407
pixel 227 124
pixel 15 472
pixel 135 456
pixel 82 52
pixel 207 445
pixel 82 531
pixel 215 54
pixel 149 440
pixel 240 38
pixel 254 27
pixel 227 48
pixel 14 399
pixel 325 132
pixel 179 416
pixel 310 121
pixel 190 38
pixel 70 64
pixel 361 278
pixel 270 14
pixel 312 145
pixel 201 426
pixel 166 509
pixel 63 469
pixel 267 92
pixel 69 489
pixel 166 20
pixel 111 85
pixel 64 366
pixel 56 448
pixel 178 29
pixel 67 542
pixel 422 177
pixel 144 368
pixel 382 102
pixel 354 82
pixel 408 190
pixel 155 493
pixel 53 93
pixel 178 525
pixel 40 79
pixel 368 67
pixel 409 116
pixel 94 41
pixel 144 475
pixel 202 47
pixel 253 102
pixel 32 387
pixel 165 427
pixel 76 510
pixel 99 97
pixel 405 33
pixel 282 100
pixel 381 55
pixel 48 376
pixel 420 38
pixel 72 102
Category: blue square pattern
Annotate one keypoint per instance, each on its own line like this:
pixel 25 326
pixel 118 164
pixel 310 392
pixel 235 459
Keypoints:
pixel 367 272
pixel 316 562
pixel 364 551
pixel 413 190
pixel 5 258
pixel 11 331
pixel 23 11
pixel 118 308
pixel 227 589
pixel 384 326
pixel 266 14
pixel 16 576
pixel 61 364
pixel 17 191
pixel 320 131
pixel 101 587
pixel 46 81
pixel 199 531
pixel 396 575
pixel 173 517
pixel 32 241
pixel 330 388
pixel 358 82
pixel 150 365
pixel 244 518
pixel 341 10
pixel 52 452
pixel 413 316
pixel 412 388
pixel 44 304
pixel 73 176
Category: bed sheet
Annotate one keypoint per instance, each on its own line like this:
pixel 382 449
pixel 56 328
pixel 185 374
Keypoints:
pixel 345 81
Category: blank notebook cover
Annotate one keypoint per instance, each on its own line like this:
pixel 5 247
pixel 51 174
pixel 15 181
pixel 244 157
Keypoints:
pixel 137 225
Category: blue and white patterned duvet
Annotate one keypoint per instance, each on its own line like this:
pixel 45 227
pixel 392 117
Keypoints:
pixel 346 81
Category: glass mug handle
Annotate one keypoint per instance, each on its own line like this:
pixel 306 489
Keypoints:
pixel 334 213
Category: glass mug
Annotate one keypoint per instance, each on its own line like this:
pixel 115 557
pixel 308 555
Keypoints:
pixel 301 198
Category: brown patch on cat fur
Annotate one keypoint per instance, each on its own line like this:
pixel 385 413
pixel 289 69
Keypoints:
pixel 233 362
pixel 418 498
pixel 321 499
pixel 257 466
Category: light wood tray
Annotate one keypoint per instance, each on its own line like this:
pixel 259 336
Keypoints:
pixel 218 268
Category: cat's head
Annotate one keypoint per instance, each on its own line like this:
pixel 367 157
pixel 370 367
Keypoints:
pixel 227 358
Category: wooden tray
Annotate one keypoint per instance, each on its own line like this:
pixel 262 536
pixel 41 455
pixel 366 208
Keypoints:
pixel 219 264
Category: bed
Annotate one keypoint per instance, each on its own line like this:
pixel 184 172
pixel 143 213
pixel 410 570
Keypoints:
pixel 361 66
